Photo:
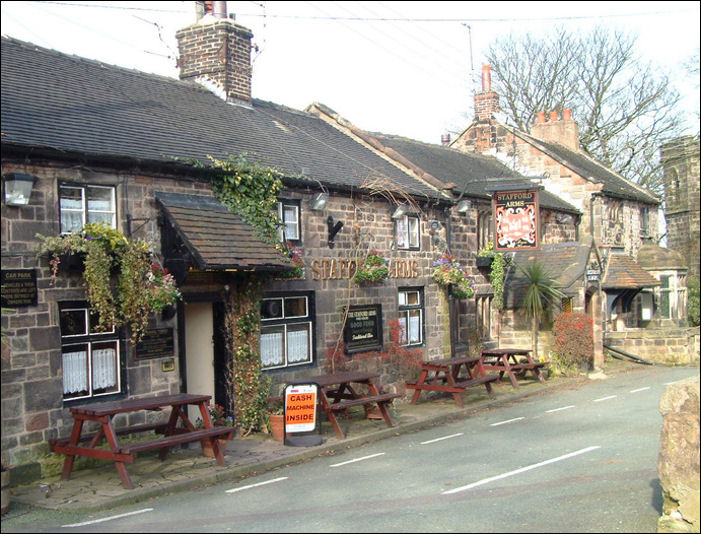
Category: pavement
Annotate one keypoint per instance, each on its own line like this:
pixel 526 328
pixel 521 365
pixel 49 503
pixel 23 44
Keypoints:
pixel 99 488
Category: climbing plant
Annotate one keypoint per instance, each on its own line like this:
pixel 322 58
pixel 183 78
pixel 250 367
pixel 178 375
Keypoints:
pixel 251 191
pixel 497 272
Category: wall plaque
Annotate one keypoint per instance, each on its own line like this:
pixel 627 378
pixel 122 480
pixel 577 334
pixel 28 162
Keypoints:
pixel 19 288
pixel 156 343
pixel 363 328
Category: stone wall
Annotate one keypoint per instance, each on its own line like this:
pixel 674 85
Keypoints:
pixel 32 392
pixel 679 346
pixel 678 461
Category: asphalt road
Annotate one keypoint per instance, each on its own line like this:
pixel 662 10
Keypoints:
pixel 579 460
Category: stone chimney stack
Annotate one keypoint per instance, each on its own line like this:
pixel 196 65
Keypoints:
pixel 486 101
pixel 216 52
pixel 564 132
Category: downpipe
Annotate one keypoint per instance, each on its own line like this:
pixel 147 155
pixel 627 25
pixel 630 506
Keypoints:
pixel 635 359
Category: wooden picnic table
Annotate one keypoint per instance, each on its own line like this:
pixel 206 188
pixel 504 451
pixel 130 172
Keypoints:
pixel 445 375
pixel 340 391
pixel 506 361
pixel 104 412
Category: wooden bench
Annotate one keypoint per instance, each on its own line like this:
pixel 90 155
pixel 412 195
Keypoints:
pixel 159 428
pixel 176 439
pixel 449 377
pixel 383 398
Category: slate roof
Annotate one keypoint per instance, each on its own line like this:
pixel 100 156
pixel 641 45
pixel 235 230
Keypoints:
pixel 565 262
pixel 624 273
pixel 612 183
pixel 217 238
pixel 75 105
pixel 470 172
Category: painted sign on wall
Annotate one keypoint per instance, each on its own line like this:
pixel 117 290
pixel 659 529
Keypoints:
pixel 515 220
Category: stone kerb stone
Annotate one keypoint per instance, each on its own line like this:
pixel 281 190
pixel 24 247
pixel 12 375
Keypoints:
pixel 678 461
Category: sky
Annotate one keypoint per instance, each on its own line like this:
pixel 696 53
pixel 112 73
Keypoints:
pixel 403 68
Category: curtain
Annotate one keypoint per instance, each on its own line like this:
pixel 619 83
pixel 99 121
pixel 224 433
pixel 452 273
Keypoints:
pixel 104 368
pixel 75 372
pixel 297 346
pixel 271 349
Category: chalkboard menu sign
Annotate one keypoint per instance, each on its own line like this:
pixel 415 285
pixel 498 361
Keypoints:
pixel 156 343
pixel 363 328
pixel 19 288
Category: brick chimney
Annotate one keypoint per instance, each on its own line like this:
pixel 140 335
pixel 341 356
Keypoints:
pixel 486 101
pixel 216 52
pixel 564 132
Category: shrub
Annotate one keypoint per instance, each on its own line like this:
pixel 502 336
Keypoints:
pixel 574 342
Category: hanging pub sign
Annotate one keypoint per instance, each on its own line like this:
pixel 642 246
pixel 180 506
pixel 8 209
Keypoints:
pixel 516 219
pixel 19 288
pixel 363 328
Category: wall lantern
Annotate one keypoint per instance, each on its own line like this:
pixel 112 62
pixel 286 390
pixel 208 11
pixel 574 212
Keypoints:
pixel 319 201
pixel 399 212
pixel 464 206
pixel 18 188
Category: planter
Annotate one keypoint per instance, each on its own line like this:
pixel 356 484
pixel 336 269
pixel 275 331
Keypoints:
pixel 5 491
pixel 178 267
pixel 484 262
pixel 72 263
pixel 277 426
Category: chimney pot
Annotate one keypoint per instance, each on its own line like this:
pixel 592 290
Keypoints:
pixel 553 116
pixel 486 78
pixel 566 114
pixel 445 139
pixel 540 117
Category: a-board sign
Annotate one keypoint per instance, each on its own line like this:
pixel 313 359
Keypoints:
pixel 300 408
pixel 363 329
pixel 19 288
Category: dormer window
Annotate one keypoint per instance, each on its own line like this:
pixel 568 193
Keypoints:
pixel 82 204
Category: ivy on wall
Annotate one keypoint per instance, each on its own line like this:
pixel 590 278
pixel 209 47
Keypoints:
pixel 249 190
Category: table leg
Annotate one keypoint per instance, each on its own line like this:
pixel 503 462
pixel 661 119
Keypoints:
pixel 381 405
pixel 70 458
pixel 507 366
pixel 111 437
pixel 331 416
pixel 451 380
pixel 420 382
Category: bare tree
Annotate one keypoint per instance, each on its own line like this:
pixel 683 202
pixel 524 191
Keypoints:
pixel 625 109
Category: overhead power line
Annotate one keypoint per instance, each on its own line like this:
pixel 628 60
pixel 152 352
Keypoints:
pixel 398 19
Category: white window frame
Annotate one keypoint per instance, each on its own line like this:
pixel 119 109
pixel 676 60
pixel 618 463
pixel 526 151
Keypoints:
pixel 285 325
pixel 407 232
pixel 290 227
pixel 676 296
pixel 405 311
pixel 90 339
pixel 84 210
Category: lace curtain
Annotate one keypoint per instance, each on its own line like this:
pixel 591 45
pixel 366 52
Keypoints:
pixel 75 370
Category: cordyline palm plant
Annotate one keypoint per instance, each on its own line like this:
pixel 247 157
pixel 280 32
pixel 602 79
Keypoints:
pixel 542 293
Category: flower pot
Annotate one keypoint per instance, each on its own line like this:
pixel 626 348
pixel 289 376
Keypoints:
pixel 277 426
pixel 5 491
pixel 207 449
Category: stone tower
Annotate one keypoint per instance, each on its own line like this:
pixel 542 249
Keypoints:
pixel 680 160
